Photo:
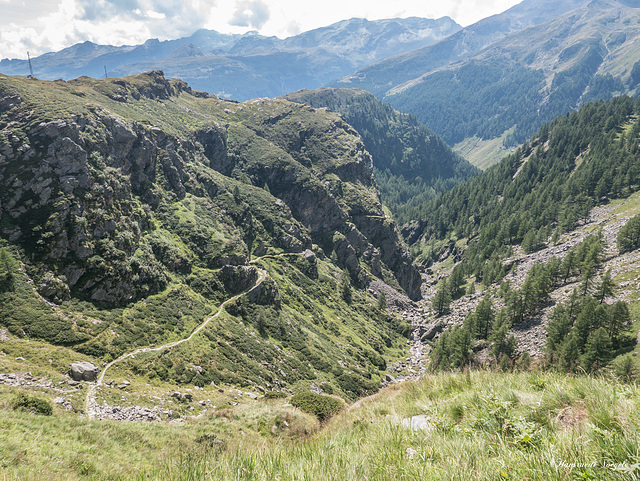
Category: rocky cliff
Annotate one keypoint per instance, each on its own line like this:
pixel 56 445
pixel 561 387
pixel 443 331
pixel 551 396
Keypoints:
pixel 84 190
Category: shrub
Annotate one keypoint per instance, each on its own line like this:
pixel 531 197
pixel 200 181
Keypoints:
pixel 31 404
pixel 323 407
pixel 274 395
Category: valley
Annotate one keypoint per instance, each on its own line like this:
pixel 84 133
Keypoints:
pixel 317 284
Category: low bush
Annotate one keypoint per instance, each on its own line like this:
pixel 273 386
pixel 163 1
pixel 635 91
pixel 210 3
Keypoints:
pixel 31 404
pixel 323 407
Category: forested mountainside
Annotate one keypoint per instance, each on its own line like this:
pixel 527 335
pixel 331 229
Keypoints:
pixel 549 239
pixel 246 66
pixel 512 87
pixel 532 76
pixel 411 163
pixel 549 184
pixel 132 208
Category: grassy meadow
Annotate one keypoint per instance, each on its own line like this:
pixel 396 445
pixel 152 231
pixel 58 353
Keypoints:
pixel 479 425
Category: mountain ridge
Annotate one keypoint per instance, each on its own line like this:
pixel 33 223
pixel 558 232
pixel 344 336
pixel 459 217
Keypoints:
pixel 411 163
pixel 460 45
pixel 236 65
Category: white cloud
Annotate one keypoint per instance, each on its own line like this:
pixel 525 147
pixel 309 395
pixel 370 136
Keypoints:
pixel 47 25
pixel 250 13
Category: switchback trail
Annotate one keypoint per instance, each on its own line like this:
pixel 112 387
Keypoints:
pixel 90 401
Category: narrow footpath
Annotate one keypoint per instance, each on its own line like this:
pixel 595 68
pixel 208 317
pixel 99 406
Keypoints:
pixel 90 404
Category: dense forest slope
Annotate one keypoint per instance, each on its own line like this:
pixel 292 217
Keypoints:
pixel 530 77
pixel 411 163
pixel 548 184
pixel 537 256
pixel 138 205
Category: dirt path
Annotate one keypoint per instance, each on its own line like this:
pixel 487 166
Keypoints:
pixel 90 401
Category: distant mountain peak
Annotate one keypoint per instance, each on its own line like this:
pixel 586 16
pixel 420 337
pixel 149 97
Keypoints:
pixel 248 65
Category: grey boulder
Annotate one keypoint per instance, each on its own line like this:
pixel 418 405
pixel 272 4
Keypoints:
pixel 83 371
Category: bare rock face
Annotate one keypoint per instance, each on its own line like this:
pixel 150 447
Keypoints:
pixel 238 278
pixel 83 371
pixel 265 293
pixel 54 288
pixel 311 267
pixel 214 143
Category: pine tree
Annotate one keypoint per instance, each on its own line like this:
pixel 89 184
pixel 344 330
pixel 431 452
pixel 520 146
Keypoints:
pixel 569 354
pixel 618 321
pixel 456 281
pixel 629 235
pixel 484 318
pixel 459 347
pixel 504 343
pixel 597 351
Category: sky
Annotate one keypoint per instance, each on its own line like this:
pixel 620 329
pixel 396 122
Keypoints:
pixel 41 26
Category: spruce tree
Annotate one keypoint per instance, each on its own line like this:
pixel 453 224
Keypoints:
pixel 442 299
pixel 597 351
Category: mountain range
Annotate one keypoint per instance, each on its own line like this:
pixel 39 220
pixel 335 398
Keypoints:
pixel 484 88
pixel 251 282
pixel 250 65
pixel 477 85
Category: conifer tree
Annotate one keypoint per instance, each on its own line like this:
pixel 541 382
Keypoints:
pixel 484 318
pixel 442 299
pixel 597 351
pixel 456 281
pixel 345 289
pixel 618 321
pixel 605 288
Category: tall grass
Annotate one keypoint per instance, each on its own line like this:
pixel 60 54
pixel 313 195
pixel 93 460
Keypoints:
pixel 483 425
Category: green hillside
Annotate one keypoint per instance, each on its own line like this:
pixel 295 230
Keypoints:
pixel 411 163
pixel 132 208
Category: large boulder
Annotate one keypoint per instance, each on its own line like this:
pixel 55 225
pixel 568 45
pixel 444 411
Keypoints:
pixel 83 371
